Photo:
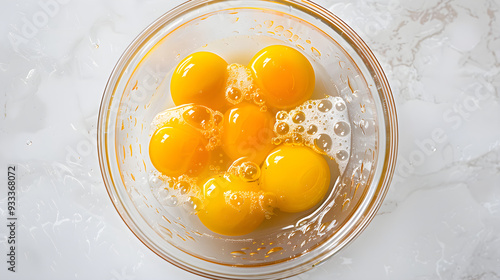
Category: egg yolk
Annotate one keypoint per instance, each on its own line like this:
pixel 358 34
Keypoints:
pixel 175 150
pixel 285 76
pixel 247 132
pixel 200 78
pixel 230 206
pixel 298 176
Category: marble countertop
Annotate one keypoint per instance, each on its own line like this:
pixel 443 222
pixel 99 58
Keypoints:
pixel 440 219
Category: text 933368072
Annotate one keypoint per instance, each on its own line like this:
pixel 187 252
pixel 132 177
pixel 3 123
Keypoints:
pixel 11 217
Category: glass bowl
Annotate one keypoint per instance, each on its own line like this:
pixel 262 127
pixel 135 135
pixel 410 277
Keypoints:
pixel 138 89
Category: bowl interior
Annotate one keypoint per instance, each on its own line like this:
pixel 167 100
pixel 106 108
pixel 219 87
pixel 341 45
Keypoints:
pixel 139 89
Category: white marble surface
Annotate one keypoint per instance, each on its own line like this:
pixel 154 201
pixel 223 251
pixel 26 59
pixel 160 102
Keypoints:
pixel 441 217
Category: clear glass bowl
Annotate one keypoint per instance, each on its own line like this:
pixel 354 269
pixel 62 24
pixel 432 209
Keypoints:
pixel 138 89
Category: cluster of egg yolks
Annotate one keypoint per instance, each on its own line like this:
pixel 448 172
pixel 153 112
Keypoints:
pixel 297 175
pixel 285 76
pixel 200 78
pixel 294 178
pixel 179 149
pixel 248 132
pixel 229 206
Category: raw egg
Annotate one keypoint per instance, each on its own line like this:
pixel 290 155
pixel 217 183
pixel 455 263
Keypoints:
pixel 230 206
pixel 175 150
pixel 249 176
pixel 285 76
pixel 247 132
pixel 200 78
pixel 298 176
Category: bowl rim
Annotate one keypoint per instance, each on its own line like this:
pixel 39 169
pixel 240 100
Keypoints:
pixel 385 94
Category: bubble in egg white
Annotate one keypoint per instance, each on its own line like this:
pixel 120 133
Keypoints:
pixel 340 107
pixel 247 170
pixel 171 200
pixel 234 94
pixel 323 142
pixel 320 124
pixel 164 192
pixel 324 106
pixel 342 155
pixel 175 191
pixel 192 205
pixel 282 128
pixel 312 129
pixel 155 181
pixel 183 187
pixel 299 117
pixel 282 115
pixel 240 85
pixel 342 128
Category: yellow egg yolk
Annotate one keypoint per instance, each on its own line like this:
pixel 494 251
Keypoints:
pixel 175 150
pixel 297 175
pixel 230 206
pixel 200 78
pixel 247 132
pixel 285 76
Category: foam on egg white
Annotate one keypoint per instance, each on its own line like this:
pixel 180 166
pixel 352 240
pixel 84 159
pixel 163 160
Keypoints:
pixel 321 124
